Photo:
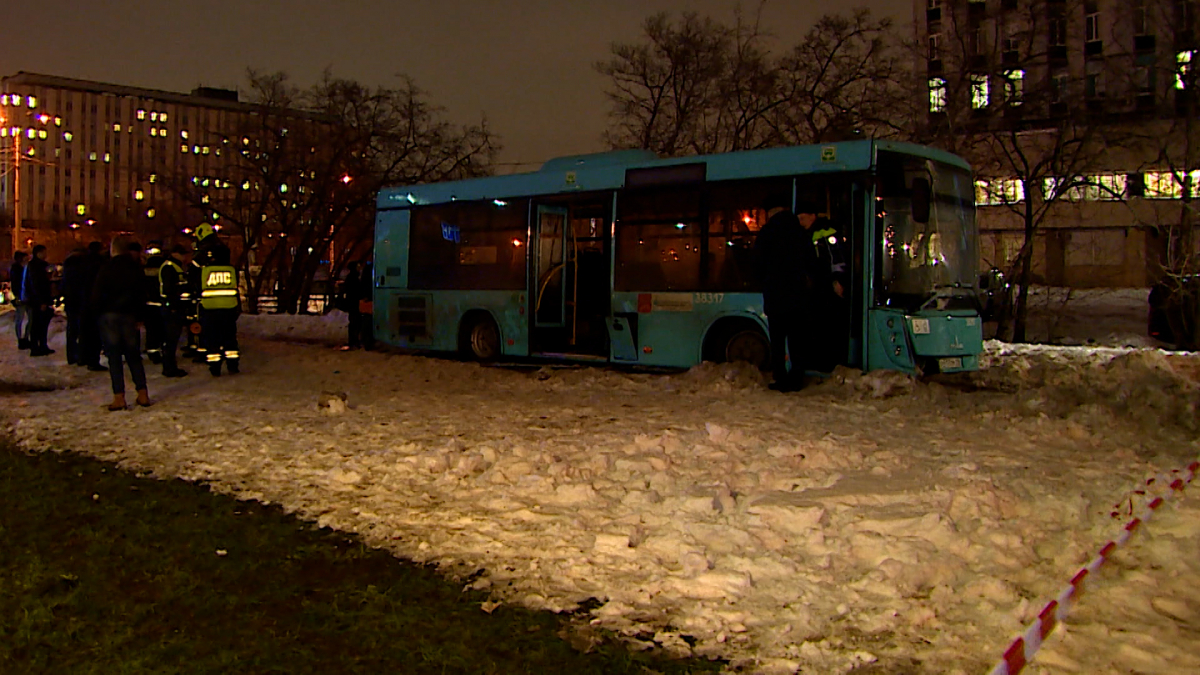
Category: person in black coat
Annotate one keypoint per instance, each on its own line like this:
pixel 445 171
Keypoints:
pixel 75 299
pixel 789 272
pixel 355 299
pixel 119 299
pixel 37 294
pixel 89 333
pixel 16 277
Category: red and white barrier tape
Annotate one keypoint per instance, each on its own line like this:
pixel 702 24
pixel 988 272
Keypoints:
pixel 1022 649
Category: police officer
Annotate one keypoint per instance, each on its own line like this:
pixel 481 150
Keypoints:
pixel 220 304
pixel 193 348
pixel 176 304
pixel 831 302
pixel 154 302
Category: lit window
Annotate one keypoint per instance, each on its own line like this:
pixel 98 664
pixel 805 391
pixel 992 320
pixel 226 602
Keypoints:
pixel 204 199
pixel 81 209
pixel 32 101
pixel 67 136
pixel 43 118
pixel 31 133
pixel 206 149
pixel 246 185
pixel 42 133
pixel 117 127
pixel 1014 86
pixel 1184 65
pixel 183 135
pixel 937 94
pixel 153 117
pixel 107 158
pixel 4 132
pixel 58 121
pixel 283 188
pixel 183 148
pixel 195 149
pixel 1162 185
pixel 141 114
pixel 162 117
pixel 4 99
pixel 998 191
pixel 92 156
pixel 139 195
pixel 979 92
pixel 1106 187
pixel 204 183
pixel 149 213
pixel 153 178
pixel 31 152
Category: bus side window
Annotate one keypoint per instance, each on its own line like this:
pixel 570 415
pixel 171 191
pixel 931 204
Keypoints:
pixel 658 239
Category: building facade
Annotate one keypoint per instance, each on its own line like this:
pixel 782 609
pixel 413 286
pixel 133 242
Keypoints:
pixel 1076 111
pixel 84 160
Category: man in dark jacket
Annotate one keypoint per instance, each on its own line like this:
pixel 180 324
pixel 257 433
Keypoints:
pixel 39 300
pixel 89 334
pixel 16 277
pixel 789 272
pixel 119 298
pixel 176 304
pixel 832 306
pixel 75 299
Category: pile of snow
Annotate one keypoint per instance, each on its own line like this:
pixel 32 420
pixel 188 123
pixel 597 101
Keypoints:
pixel 871 519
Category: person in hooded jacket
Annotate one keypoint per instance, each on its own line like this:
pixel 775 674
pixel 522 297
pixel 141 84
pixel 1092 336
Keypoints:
pixel 119 298
pixel 38 296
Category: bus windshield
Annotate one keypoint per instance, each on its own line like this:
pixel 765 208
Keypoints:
pixel 920 261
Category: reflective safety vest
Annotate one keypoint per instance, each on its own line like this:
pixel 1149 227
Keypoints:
pixel 180 282
pixel 218 287
pixel 831 249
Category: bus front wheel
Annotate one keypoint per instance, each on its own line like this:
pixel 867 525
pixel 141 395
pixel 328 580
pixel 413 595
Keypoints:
pixel 481 339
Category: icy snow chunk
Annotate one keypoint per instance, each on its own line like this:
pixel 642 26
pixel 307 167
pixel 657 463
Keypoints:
pixel 612 544
pixel 332 402
pixel 799 520
pixel 716 432
pixel 340 475
pixel 572 494
pixel 713 585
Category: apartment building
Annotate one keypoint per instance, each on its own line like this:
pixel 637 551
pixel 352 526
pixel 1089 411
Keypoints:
pixel 1104 85
pixel 83 160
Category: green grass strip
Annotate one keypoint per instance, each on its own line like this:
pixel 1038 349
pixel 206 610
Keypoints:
pixel 105 572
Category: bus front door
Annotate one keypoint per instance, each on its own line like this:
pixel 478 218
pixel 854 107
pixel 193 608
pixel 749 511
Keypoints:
pixel 550 251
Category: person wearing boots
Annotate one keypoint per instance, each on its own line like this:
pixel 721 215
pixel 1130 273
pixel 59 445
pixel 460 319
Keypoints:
pixel 38 297
pixel 16 277
pixel 119 298
pixel 89 333
pixel 176 302
pixel 220 304
pixel 153 319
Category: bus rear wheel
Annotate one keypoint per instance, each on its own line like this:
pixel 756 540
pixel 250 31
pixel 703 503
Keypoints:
pixel 481 339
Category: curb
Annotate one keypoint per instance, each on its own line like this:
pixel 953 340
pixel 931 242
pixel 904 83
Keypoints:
pixel 1024 647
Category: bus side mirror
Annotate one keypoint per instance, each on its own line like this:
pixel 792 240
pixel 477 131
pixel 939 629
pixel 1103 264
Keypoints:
pixel 921 195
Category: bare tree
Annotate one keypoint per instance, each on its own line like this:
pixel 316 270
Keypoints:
pixel 1001 94
pixel 696 85
pixel 308 166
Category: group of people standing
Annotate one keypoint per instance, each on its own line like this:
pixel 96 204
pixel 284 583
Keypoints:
pixel 801 261
pixel 109 299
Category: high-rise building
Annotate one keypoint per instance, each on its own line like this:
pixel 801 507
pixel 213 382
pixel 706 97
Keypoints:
pixel 1085 105
pixel 81 160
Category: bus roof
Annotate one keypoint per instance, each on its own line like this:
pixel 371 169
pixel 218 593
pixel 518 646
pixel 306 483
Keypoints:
pixel 607 171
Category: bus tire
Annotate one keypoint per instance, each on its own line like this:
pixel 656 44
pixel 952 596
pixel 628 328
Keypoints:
pixel 480 338
pixel 740 341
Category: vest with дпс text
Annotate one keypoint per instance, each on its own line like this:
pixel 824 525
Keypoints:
pixel 218 287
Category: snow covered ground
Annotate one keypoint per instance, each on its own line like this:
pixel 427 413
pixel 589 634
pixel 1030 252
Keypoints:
pixel 872 523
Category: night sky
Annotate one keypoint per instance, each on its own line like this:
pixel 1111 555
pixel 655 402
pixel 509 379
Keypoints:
pixel 526 64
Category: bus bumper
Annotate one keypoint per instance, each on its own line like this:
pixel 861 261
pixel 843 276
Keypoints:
pixel 945 341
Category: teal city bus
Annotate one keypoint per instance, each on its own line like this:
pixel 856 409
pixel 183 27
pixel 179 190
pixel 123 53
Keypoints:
pixel 623 257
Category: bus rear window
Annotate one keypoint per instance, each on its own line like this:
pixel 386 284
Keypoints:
pixel 469 246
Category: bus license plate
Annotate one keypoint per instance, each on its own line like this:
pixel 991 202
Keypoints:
pixel 950 364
